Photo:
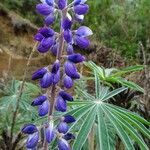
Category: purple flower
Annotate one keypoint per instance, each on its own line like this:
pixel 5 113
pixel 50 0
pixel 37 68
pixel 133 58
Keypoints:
pixel 49 19
pixel 60 104
pixel 63 144
pixel 46 32
pixel 39 73
pixel 68 36
pixel 62 127
pixel 44 108
pixel 49 2
pixel 66 23
pixel 38 37
pixel 47 42
pixel 84 31
pixel 49 132
pixel 70 49
pixel 66 96
pixel 82 42
pixel 69 119
pixel 55 67
pixel 39 100
pixel 32 140
pixel 68 136
pixel 29 129
pixel 79 18
pixel 44 9
pixel 47 80
pixel 77 2
pixel 81 9
pixel 68 82
pixel 76 58
pixel 71 70
pixel 56 77
pixel 62 4
pixel 54 49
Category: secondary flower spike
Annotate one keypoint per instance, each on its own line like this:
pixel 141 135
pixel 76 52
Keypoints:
pixel 57 77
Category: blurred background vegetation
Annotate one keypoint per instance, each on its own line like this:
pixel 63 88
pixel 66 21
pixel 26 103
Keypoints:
pixel 118 24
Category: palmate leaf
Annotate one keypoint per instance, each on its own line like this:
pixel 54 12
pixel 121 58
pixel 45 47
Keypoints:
pixel 94 111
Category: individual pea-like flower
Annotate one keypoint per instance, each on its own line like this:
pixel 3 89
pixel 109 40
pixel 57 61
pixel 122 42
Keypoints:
pixel 55 67
pixel 39 73
pixel 66 96
pixel 47 80
pixel 62 127
pixel 63 144
pixel 44 108
pixel 71 70
pixel 46 37
pixel 81 36
pixel 49 132
pixel 60 104
pixel 69 136
pixel 68 82
pixel 76 58
pixel 39 100
pixel 29 129
pixel 62 4
pixel 32 140
pixel 68 119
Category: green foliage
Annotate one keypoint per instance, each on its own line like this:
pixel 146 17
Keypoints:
pixel 109 121
pixel 117 24
pixel 8 104
pixel 114 76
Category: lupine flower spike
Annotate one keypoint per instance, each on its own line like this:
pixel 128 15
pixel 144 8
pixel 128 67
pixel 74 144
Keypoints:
pixel 61 46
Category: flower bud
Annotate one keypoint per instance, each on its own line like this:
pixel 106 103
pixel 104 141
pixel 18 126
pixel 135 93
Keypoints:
pixel 81 9
pixel 62 4
pixel 71 70
pixel 49 132
pixel 47 42
pixel 68 36
pixel 49 2
pixel 66 96
pixel 55 67
pixel 49 19
pixel 56 77
pixel 82 42
pixel 39 73
pixel 68 136
pixel 60 104
pixel 29 129
pixel 68 82
pixel 63 144
pixel 38 37
pixel 66 23
pixel 32 140
pixel 46 32
pixel 44 9
pixel 62 127
pixel 69 119
pixel 44 108
pixel 54 49
pixel 39 100
pixel 47 80
pixel 76 58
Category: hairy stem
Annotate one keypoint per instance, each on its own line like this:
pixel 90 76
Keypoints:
pixel 20 93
